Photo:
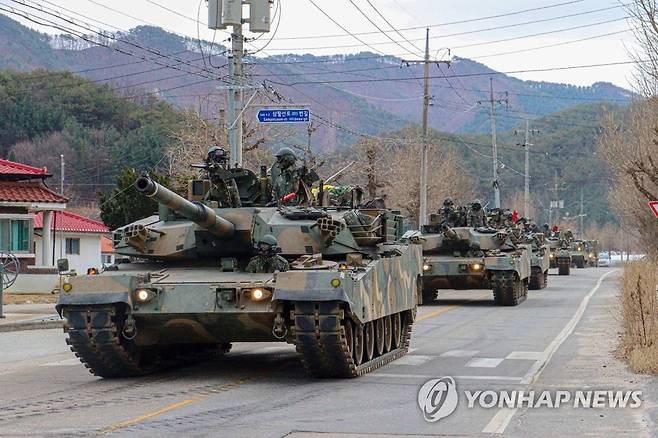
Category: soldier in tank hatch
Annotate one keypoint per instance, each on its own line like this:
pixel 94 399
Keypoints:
pixel 267 258
pixel 223 188
pixel 290 182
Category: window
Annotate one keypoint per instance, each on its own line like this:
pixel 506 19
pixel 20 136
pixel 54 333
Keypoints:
pixel 107 259
pixel 15 235
pixel 72 246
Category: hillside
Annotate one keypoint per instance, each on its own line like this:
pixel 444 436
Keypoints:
pixel 369 104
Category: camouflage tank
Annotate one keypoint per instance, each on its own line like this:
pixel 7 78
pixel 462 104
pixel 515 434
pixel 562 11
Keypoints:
pixel 579 253
pixel 560 255
pixel 344 291
pixel 540 261
pixel 593 249
pixel 475 258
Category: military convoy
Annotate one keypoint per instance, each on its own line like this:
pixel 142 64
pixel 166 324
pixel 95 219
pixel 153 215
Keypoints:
pixel 336 282
pixel 246 257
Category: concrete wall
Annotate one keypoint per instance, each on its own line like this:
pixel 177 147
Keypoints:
pixel 90 251
pixel 34 284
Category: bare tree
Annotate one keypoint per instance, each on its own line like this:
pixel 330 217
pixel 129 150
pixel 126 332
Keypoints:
pixel 644 14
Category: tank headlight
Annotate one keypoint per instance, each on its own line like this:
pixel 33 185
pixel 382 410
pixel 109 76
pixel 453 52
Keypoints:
pixel 476 266
pixel 591 256
pixel 259 294
pixel 335 282
pixel 580 248
pixel 67 287
pixel 551 256
pixel 144 295
pixel 427 267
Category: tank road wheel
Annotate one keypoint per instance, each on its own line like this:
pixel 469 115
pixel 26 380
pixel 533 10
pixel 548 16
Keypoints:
pixel 369 340
pixel 563 267
pixel 379 336
pixel 388 335
pixel 347 329
pixel 357 354
pixel 396 330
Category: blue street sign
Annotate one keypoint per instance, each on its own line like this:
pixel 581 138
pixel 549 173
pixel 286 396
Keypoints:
pixel 284 115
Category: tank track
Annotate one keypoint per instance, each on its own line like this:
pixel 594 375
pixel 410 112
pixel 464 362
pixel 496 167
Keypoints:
pixel 508 290
pixel 321 342
pixel 94 335
pixel 538 279
pixel 564 267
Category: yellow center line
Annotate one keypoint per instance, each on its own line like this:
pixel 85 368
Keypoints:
pixel 450 307
pixel 180 404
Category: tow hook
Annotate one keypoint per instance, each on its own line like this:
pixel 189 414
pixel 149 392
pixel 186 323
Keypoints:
pixel 129 328
pixel 280 329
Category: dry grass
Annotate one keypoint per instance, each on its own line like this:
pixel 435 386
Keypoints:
pixel 639 312
pixel 29 298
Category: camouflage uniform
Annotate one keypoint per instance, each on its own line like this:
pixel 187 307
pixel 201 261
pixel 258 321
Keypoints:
pixel 475 216
pixel 267 260
pixel 286 178
pixel 223 188
pixel 448 214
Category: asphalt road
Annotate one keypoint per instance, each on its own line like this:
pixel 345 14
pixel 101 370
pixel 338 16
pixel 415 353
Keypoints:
pixel 561 339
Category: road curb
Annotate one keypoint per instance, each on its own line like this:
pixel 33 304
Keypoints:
pixel 32 325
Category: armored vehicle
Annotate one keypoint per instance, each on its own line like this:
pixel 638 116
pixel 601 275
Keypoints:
pixel 560 255
pixel 593 250
pixel 337 283
pixel 540 261
pixel 579 253
pixel 475 258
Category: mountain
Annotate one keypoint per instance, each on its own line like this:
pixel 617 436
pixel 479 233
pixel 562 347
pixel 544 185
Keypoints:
pixel 382 93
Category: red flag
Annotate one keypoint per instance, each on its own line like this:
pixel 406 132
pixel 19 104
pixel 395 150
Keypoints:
pixel 515 216
pixel 289 197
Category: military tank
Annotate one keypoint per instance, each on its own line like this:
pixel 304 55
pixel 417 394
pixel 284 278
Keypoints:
pixel 347 302
pixel 560 255
pixel 579 253
pixel 593 251
pixel 540 261
pixel 474 258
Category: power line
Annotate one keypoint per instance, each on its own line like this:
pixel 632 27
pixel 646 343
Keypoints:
pixel 393 27
pixel 471 20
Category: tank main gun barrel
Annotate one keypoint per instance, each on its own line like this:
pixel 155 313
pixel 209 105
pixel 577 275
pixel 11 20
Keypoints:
pixel 449 232
pixel 197 212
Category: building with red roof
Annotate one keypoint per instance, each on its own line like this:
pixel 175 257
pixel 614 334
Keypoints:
pixel 24 194
pixel 77 238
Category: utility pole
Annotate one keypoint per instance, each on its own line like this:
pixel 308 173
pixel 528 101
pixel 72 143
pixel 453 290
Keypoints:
pixel 494 146
pixel 61 176
pixel 309 154
pixel 557 203
pixel 526 146
pixel 581 230
pixel 221 15
pixel 234 112
pixel 422 213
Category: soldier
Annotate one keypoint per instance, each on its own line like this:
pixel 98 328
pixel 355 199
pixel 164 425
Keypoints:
pixel 266 258
pixel 289 182
pixel 448 213
pixel 224 190
pixel 475 216
pixel 546 229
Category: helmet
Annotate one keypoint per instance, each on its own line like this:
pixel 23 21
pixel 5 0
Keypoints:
pixel 448 201
pixel 217 153
pixel 477 204
pixel 283 152
pixel 268 239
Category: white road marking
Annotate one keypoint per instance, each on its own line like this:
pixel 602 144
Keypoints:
pixel 425 376
pixel 62 363
pixel 525 355
pixel 501 420
pixel 484 362
pixel 459 353
pixel 413 359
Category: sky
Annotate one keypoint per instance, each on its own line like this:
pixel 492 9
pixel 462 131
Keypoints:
pixel 579 31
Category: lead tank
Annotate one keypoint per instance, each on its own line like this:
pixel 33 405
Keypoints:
pixel 347 303
pixel 475 258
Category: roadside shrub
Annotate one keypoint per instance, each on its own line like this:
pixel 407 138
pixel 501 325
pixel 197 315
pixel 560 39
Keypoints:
pixel 639 312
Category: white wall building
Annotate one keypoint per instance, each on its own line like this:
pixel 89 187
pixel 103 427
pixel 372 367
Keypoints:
pixel 77 238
